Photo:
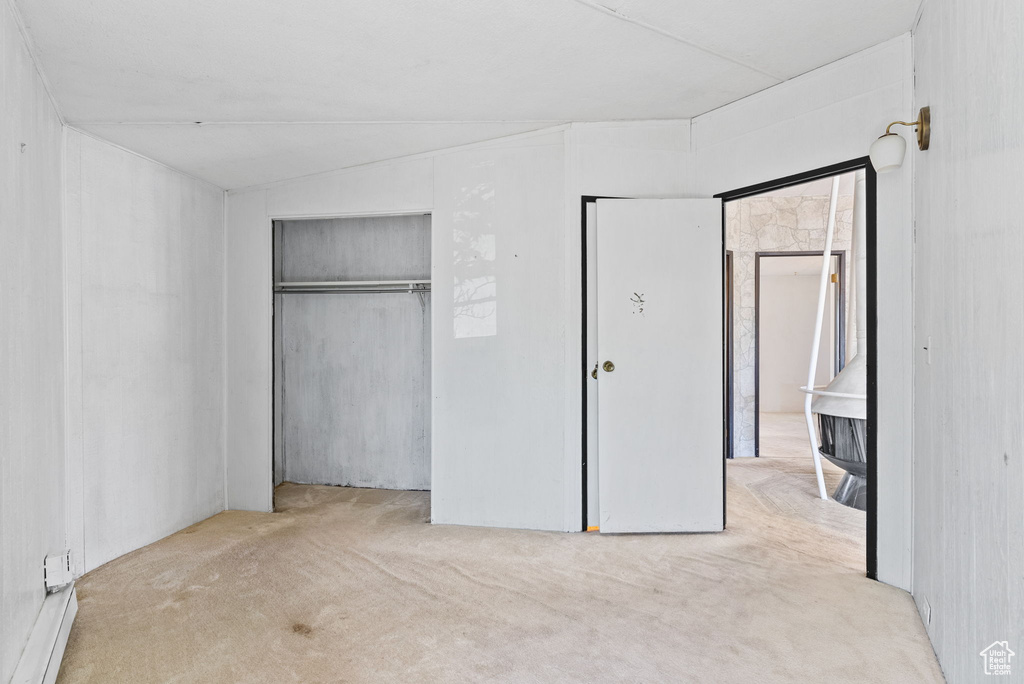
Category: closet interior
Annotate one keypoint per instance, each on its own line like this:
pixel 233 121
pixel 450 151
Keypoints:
pixel 352 351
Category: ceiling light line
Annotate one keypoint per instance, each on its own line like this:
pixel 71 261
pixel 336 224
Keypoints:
pixel 679 39
pixel 553 122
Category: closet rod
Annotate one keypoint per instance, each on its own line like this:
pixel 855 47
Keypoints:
pixel 353 286
pixel 353 291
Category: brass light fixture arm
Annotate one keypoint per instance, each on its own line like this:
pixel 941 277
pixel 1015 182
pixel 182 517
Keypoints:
pixel 923 126
pixel 900 123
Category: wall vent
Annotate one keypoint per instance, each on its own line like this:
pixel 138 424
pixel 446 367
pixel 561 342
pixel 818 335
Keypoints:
pixel 57 571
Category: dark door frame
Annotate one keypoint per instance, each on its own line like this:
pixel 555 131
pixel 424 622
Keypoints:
pixel 729 312
pixel 839 354
pixel 872 318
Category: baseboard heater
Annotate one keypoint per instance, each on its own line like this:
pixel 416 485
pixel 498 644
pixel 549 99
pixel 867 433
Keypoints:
pixel 40 661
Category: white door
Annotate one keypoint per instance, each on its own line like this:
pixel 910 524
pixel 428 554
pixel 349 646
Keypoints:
pixel 660 344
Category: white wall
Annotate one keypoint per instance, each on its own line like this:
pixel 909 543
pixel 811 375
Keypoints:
pixel 497 451
pixel 32 468
pixel 969 421
pixel 128 289
pixel 498 368
pixel 789 305
pixel 623 159
pixel 827 116
pixel 146 349
pixel 514 441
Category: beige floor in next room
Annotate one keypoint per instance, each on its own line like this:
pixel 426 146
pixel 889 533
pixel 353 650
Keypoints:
pixel 353 585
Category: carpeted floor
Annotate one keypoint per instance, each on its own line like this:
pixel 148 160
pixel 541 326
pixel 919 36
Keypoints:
pixel 353 585
pixel 784 435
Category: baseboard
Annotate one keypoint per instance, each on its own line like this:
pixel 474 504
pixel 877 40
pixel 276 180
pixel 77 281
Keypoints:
pixel 40 661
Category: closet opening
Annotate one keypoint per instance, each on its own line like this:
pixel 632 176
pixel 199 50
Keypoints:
pixel 351 351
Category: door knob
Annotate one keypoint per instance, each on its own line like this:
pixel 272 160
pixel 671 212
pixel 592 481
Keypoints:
pixel 593 373
pixel 608 366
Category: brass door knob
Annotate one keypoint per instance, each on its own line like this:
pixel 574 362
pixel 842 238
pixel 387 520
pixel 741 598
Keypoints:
pixel 593 373
pixel 608 366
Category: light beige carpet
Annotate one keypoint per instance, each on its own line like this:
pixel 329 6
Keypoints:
pixel 350 585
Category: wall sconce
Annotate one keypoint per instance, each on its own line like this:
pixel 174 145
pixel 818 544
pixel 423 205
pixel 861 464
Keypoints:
pixel 888 151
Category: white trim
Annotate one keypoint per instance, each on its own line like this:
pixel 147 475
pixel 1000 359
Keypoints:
pixel 629 123
pixel 74 454
pixel 225 453
pixel 903 576
pixel 918 15
pixel 267 278
pixel 572 428
pixel 40 661
pixel 356 214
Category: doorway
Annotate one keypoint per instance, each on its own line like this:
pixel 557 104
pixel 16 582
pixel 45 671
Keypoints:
pixel 652 365
pixel 785 305
pixel 740 429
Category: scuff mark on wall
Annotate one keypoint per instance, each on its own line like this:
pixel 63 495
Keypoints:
pixel 638 303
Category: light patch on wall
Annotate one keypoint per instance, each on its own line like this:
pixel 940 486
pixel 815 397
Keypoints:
pixel 476 283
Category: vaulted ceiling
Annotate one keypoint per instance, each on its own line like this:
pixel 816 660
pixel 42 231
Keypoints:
pixel 241 92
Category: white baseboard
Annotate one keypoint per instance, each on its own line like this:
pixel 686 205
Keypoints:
pixel 40 661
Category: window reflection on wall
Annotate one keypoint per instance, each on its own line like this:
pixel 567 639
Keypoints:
pixel 476 301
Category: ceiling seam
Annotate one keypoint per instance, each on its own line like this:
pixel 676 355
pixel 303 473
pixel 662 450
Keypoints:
pixel 834 64
pixel 542 122
pixel 417 156
pixel 679 39
pixel 33 55
pixel 356 122
pixel 93 136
